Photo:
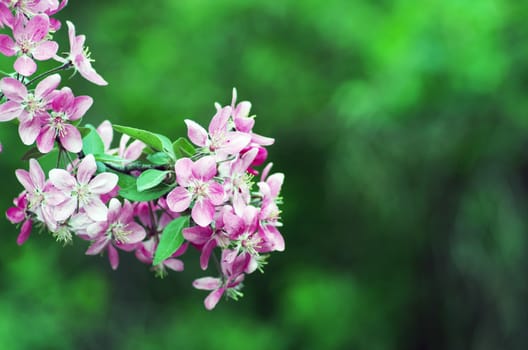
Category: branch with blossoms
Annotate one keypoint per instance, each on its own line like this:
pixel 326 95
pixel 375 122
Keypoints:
pixel 152 195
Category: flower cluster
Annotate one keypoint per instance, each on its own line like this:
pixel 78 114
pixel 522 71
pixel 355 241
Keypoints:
pixel 154 196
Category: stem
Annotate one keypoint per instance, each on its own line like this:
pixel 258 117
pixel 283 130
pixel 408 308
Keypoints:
pixel 51 71
pixel 127 169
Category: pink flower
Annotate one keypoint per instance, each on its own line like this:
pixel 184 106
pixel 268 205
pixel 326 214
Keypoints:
pixel 30 42
pixel 80 57
pixel 220 140
pixel 40 195
pixel 83 192
pixel 119 230
pixel 196 184
pixel 65 108
pixel 29 107
pixel 33 7
pixel 17 214
pixel 233 275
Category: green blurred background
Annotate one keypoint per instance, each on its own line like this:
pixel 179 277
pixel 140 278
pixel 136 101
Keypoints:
pixel 402 129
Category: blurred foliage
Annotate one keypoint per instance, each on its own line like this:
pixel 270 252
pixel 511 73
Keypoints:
pixel 402 130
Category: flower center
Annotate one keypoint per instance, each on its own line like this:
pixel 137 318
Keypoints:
pixel 119 231
pixel 82 192
pixel 58 122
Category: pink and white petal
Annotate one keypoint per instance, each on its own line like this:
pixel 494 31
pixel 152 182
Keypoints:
pixel 45 50
pixel 243 163
pixel 262 140
pixel 62 179
pixel 206 253
pixel 37 28
pixel 216 193
pixel 37 175
pixel 242 111
pixel 94 229
pixel 274 237
pixel 136 233
pixel 80 106
pixel 113 257
pixel 204 168
pixel 235 142
pixel 218 124
pixel 46 86
pixel 13 89
pixel 25 179
pixel 10 110
pixel 134 150
pixel 46 139
pixel 203 212
pixel 103 183
pixel 197 235
pixel 29 130
pixel 174 264
pixel 71 139
pixel 207 283
pixel 25 65
pixel 15 215
pixel 25 231
pixel 65 209
pixel 86 169
pixel 95 209
pixel 179 199
pixel 88 72
pixel 98 245
pixel 7 45
pixel 106 132
pixel 275 182
pixel 213 298
pixel 183 169
pixel 196 133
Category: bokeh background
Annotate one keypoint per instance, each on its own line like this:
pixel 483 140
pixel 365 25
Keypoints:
pixel 402 128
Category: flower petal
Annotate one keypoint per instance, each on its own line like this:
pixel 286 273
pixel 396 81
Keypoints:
pixel 46 139
pixel 13 89
pixel 45 50
pixel 183 169
pixel 204 168
pixel 178 199
pixel 95 209
pixel 213 298
pixel 25 231
pixel 207 283
pixel 86 169
pixel 196 133
pixel 203 212
pixel 113 257
pixel 9 111
pixel 25 65
pixel 103 183
pixel 71 138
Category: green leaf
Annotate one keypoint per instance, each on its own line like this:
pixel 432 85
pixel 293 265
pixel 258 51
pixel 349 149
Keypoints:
pixel 92 142
pixel 183 148
pixel 156 141
pixel 108 158
pixel 159 158
pixel 125 181
pixel 171 239
pixel 150 178
pixel 132 193
pixel 167 144
pixel 84 131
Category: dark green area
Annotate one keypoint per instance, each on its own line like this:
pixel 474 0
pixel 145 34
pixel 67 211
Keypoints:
pixel 402 128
